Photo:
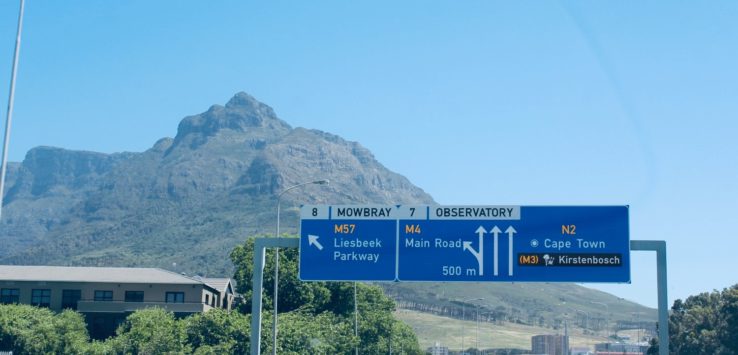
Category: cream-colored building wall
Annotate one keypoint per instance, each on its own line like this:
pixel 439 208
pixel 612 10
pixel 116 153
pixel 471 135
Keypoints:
pixel 153 293
pixel 211 299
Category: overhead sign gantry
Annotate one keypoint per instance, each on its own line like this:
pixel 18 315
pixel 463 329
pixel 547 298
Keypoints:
pixel 464 243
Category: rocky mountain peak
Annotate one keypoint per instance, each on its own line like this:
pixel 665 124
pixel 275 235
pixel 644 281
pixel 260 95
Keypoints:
pixel 241 114
pixel 247 102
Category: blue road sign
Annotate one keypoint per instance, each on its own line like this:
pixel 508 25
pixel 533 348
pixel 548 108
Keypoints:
pixel 348 243
pixel 466 243
pixel 515 244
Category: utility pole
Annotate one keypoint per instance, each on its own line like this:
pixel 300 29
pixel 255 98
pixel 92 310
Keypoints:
pixel 463 318
pixel 356 320
pixel 565 341
pixel 607 315
pixel 276 260
pixel 11 100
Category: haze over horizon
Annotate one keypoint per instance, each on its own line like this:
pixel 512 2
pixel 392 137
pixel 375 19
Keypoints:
pixel 560 103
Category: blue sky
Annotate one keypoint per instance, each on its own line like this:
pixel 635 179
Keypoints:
pixel 478 102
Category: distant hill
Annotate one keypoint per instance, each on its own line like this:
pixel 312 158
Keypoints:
pixel 187 201
pixel 536 304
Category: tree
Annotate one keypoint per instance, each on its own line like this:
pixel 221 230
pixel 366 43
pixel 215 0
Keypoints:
pixel 73 336
pixel 27 330
pixel 705 323
pixel 653 348
pixel 729 309
pixel 32 330
pixel 151 331
pixel 219 332
pixel 325 333
pixel 293 293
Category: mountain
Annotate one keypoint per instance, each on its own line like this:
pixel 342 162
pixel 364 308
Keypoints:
pixel 186 202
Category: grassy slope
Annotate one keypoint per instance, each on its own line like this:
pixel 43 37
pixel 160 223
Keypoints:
pixel 448 332
pixel 524 301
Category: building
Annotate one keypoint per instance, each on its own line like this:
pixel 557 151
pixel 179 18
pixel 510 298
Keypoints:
pixel 225 287
pixel 620 349
pixel 107 295
pixel 437 349
pixel 580 351
pixel 550 344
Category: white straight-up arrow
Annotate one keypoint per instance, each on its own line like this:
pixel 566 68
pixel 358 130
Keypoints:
pixel 481 232
pixel 313 240
pixel 496 232
pixel 510 231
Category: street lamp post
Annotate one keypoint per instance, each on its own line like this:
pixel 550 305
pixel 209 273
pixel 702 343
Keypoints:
pixel 11 100
pixel 564 345
pixel 356 320
pixel 276 259
pixel 637 316
pixel 607 315
pixel 479 321
pixel 463 318
pixel 477 328
pixel 586 317
pixel 564 340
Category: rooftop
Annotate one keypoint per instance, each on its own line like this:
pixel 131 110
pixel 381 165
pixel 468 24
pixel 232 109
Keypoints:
pixel 92 274
pixel 220 284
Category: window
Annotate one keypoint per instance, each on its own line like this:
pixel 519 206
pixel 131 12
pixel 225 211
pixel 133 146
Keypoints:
pixel 70 298
pixel 104 296
pixel 41 297
pixel 9 295
pixel 134 296
pixel 175 297
pixel 207 299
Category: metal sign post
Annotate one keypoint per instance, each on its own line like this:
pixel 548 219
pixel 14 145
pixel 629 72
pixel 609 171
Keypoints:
pixel 659 246
pixel 257 280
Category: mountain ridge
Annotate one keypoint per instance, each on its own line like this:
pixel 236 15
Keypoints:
pixel 88 208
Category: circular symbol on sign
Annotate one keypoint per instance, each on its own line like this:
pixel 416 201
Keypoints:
pixel 534 243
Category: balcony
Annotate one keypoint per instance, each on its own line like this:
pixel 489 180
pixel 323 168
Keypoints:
pixel 124 307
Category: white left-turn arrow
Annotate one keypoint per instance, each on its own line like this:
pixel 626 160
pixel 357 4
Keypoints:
pixel 313 240
pixel 478 256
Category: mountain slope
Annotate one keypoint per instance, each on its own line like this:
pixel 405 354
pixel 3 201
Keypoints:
pixel 538 304
pixel 186 201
